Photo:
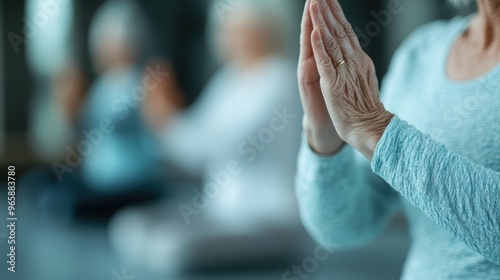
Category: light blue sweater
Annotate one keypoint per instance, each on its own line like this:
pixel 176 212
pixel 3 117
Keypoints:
pixel 443 170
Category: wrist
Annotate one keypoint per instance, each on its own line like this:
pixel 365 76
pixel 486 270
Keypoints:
pixel 366 134
pixel 323 141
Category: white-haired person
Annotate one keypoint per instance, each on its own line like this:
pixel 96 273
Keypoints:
pixel 432 142
pixel 242 137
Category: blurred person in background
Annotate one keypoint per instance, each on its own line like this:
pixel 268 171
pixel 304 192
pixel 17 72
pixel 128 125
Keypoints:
pixel 119 42
pixel 247 121
pixel 111 158
pixel 115 157
pixel 444 171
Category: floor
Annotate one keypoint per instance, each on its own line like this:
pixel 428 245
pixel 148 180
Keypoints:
pixel 51 248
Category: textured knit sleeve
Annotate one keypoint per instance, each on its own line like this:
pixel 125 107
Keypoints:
pixel 342 202
pixel 459 195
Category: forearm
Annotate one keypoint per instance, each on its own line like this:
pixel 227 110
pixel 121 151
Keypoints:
pixel 459 195
pixel 339 205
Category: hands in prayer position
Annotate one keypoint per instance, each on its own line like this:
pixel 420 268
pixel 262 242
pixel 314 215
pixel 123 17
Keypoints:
pixel 338 84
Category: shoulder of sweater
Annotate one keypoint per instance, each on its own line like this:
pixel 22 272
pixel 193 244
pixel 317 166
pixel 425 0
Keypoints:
pixel 419 49
pixel 421 45
pixel 429 34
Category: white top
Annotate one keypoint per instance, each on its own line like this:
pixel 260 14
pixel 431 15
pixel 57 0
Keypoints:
pixel 235 107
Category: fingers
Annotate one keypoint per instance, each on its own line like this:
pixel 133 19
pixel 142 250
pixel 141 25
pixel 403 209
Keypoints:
pixel 336 28
pixel 306 30
pixel 324 62
pixel 329 42
pixel 336 14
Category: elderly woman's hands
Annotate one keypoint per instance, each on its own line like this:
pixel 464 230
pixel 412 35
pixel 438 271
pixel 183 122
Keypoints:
pixel 318 126
pixel 348 82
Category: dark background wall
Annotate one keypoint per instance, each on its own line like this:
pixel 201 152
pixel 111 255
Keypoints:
pixel 17 85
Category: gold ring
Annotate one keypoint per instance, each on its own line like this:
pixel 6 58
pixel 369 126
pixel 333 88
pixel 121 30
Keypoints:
pixel 339 63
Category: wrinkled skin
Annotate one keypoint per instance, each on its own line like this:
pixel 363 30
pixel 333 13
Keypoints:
pixel 341 104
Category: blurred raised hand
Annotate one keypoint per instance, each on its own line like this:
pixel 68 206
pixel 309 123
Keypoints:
pixel 164 100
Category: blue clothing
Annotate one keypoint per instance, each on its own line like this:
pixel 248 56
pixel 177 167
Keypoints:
pixel 123 154
pixel 443 170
